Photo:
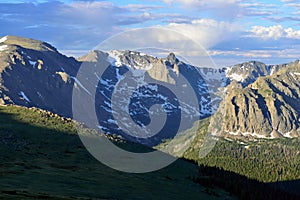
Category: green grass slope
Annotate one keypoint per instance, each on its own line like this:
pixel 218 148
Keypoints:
pixel 42 157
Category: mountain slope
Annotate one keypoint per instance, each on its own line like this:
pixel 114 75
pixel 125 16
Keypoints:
pixel 43 157
pixel 261 100
pixel 34 73
pixel 267 108
pixel 125 81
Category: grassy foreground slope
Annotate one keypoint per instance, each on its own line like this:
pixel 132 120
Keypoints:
pixel 42 157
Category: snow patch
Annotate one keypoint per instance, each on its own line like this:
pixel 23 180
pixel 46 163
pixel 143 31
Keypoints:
pixel 3 39
pixel 213 74
pixel 288 135
pixel 258 135
pixel 3 47
pixel 255 135
pixel 297 74
pixel 153 87
pixel 32 63
pixel 227 70
pixel 24 96
pixel 114 58
pixel 272 71
pixel 40 96
pixel 234 133
pixel 78 82
pixel 111 121
pixel 228 139
pixel 237 77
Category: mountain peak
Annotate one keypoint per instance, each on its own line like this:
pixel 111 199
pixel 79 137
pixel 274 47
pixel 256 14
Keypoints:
pixel 27 43
pixel 172 58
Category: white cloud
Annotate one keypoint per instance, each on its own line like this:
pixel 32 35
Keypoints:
pixel 292 4
pixel 274 32
pixel 228 10
pixel 74 24
pixel 232 57
pixel 201 2
pixel 225 9
pixel 249 54
pixel 290 33
pixel 288 1
pixel 207 32
pixel 141 7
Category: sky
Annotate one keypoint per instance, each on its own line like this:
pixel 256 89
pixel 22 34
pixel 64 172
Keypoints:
pixel 231 31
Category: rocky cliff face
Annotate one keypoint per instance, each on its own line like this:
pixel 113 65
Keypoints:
pixel 246 73
pixel 266 108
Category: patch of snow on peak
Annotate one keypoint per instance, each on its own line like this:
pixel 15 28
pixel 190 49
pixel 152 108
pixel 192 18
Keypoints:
pixel 288 135
pixel 227 70
pixel 40 96
pixel 237 77
pixel 297 74
pixel 272 71
pixel 114 58
pixel 141 66
pixel 79 83
pixel 22 94
pixel 3 39
pixel 153 87
pixel 3 47
pixel 32 63
pixel 212 74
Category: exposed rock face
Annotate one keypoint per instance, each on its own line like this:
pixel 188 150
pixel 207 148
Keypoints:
pixel 267 108
pixel 246 73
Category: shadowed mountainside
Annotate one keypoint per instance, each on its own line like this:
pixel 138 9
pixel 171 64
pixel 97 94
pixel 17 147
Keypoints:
pixel 43 157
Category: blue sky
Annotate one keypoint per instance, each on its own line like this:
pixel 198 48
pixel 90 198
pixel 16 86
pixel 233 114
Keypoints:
pixel 232 31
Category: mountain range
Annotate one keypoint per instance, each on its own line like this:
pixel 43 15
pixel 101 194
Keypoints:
pixel 256 100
